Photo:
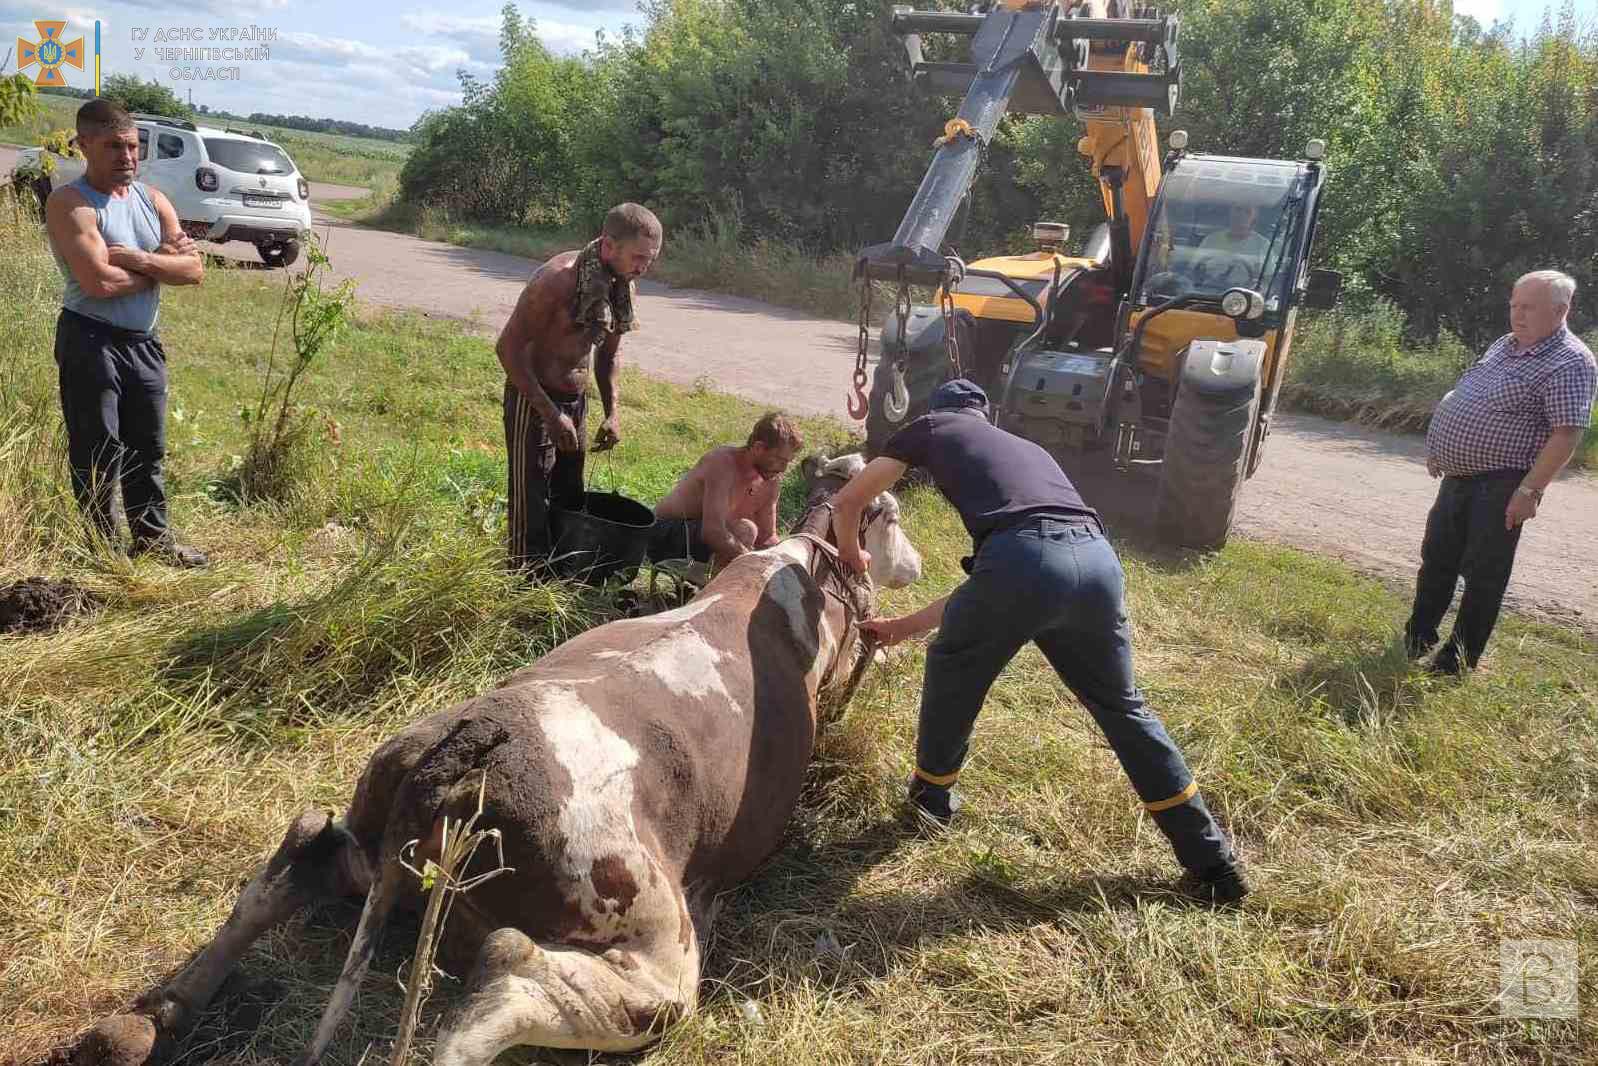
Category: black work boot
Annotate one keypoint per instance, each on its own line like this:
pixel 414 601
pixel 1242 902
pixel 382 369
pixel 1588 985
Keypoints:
pixel 1447 663
pixel 1415 648
pixel 1222 886
pixel 933 805
pixel 171 553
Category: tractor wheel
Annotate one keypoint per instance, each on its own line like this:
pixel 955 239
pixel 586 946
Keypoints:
pixel 1206 457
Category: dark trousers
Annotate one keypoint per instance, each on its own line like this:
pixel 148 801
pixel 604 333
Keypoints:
pixel 678 538
pixel 1059 584
pixel 541 476
pixel 1465 537
pixel 113 399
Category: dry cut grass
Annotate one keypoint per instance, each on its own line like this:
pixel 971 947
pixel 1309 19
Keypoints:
pixel 153 753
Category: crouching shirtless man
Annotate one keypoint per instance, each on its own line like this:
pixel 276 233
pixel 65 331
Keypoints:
pixel 727 504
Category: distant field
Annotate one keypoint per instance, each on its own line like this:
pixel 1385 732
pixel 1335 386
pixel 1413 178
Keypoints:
pixel 321 156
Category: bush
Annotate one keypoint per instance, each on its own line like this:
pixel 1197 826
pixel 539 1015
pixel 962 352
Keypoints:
pixel 147 97
pixel 19 100
pixel 504 154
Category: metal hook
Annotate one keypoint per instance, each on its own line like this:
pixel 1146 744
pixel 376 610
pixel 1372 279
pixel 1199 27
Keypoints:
pixel 858 404
pixel 896 404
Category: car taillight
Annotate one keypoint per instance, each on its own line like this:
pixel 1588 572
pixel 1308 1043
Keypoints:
pixel 305 189
pixel 205 178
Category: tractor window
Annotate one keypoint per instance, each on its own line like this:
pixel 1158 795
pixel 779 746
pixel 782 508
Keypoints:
pixel 1223 224
pixel 971 286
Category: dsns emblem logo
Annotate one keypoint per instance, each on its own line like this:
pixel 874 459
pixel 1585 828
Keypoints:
pixel 50 52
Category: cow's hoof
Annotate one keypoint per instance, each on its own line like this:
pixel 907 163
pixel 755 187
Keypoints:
pixel 120 1040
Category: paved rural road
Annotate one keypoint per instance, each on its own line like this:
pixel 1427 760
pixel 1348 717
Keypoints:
pixel 1349 491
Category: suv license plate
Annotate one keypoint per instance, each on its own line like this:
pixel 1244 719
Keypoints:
pixel 262 201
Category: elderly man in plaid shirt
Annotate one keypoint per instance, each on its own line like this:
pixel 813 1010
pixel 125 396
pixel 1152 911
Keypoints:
pixel 1497 440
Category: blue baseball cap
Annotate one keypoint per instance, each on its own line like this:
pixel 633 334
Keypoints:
pixel 959 393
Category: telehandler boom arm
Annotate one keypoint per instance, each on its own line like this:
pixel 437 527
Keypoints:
pixel 1051 57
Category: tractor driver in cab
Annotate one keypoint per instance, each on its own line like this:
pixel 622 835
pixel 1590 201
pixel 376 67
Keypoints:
pixel 1226 256
pixel 1234 255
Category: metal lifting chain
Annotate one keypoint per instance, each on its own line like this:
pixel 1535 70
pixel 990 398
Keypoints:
pixel 858 403
pixel 953 275
pixel 896 404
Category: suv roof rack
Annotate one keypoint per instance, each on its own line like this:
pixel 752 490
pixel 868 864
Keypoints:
pixel 165 120
pixel 244 133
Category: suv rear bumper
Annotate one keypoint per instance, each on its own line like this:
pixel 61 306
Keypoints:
pixel 250 228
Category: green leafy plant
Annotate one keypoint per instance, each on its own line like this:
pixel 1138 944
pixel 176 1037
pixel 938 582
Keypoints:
pixel 280 453
pixel 19 100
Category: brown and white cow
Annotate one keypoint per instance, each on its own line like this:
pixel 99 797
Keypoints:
pixel 635 772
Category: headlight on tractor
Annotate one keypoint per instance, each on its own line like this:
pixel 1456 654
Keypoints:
pixel 1242 303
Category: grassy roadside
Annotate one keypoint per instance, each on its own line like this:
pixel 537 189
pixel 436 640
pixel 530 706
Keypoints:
pixel 1398 828
pixel 1347 367
pixel 1356 368
pixel 715 258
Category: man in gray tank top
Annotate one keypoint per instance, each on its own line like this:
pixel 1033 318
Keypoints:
pixel 117 241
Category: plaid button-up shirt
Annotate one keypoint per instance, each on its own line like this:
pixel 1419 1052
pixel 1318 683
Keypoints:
pixel 1507 404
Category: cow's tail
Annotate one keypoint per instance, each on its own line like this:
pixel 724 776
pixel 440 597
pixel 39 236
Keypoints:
pixel 374 918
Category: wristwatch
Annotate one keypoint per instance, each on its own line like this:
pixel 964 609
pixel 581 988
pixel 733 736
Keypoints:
pixel 1527 490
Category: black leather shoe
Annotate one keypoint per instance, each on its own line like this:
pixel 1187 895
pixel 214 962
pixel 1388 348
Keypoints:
pixel 172 554
pixel 1446 664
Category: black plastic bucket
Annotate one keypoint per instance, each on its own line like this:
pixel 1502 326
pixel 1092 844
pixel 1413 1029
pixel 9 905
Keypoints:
pixel 607 539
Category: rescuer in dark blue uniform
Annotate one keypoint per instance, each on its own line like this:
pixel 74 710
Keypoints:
pixel 1042 571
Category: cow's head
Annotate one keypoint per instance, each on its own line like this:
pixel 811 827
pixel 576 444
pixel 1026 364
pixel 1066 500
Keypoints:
pixel 895 562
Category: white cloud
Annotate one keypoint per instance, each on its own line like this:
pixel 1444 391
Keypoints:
pixel 1483 11
pixel 480 33
pixel 424 61
pixel 565 37
pixel 630 6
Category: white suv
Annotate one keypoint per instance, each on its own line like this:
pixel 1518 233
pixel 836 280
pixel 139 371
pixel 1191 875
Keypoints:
pixel 226 185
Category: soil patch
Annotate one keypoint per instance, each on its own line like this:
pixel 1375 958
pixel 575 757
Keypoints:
pixel 40 605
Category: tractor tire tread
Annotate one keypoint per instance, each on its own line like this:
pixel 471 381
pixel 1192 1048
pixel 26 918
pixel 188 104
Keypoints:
pixel 1206 457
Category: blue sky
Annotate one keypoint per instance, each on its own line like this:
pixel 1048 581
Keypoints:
pixel 381 61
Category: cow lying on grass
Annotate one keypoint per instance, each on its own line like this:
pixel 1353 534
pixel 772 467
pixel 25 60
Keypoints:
pixel 635 772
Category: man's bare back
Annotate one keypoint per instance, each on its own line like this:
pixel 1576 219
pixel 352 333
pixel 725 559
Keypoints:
pixel 745 495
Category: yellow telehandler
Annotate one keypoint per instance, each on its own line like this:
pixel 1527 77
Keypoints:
pixel 1162 343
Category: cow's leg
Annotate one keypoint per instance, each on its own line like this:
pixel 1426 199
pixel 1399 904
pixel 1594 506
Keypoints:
pixel 317 858
pixel 555 995
pixel 374 917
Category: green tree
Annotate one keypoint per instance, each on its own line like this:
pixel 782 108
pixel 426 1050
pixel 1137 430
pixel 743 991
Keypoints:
pixel 146 97
pixel 794 116
pixel 19 101
pixel 503 155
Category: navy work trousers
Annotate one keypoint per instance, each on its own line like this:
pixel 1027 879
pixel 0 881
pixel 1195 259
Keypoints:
pixel 1059 584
